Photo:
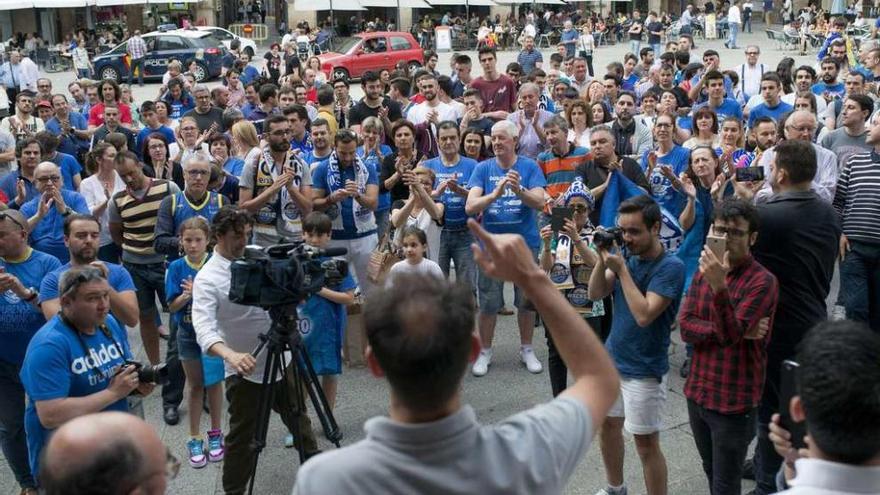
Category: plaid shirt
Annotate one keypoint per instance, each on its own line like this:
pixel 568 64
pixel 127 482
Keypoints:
pixel 137 48
pixel 727 370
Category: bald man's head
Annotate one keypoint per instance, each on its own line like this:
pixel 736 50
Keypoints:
pixel 48 175
pixel 105 453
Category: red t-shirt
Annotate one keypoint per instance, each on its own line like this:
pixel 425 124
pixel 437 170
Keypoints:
pixel 96 114
pixel 499 94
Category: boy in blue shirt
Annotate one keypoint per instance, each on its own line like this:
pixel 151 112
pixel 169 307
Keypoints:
pixel 151 125
pixel 322 317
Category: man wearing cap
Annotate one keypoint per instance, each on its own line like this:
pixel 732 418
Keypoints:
pixel 20 318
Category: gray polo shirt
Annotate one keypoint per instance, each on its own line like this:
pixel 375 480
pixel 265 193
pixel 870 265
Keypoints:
pixel 531 452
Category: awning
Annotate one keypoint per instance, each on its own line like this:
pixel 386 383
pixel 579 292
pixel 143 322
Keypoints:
pixel 472 3
pixel 110 3
pixel 56 4
pixel 519 2
pixel 407 4
pixel 13 5
pixel 315 5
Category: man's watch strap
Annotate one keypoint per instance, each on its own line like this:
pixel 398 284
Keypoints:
pixel 33 295
pixel 67 211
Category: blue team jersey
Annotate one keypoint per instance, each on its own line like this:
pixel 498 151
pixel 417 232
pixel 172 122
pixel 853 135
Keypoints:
pixel 69 143
pixel 728 108
pixel 20 320
pixel 48 235
pixel 454 216
pixel 661 188
pixel 643 352
pixel 375 161
pixel 322 325
pixel 61 363
pixel 774 113
pixel 178 271
pixel 234 166
pixel 345 208
pixel 117 276
pixel 509 214
pixel 836 90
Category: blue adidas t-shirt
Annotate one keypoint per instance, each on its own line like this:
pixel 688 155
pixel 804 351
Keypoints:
pixel 774 113
pixel 117 276
pixel 346 206
pixel 509 214
pixel 642 352
pixel 58 365
pixel 728 108
pixel 19 320
pixel 454 217
pixel 661 187
pixel 322 325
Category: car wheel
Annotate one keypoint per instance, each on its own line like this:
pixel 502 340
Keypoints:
pixel 339 73
pixel 414 66
pixel 110 72
pixel 250 52
pixel 201 72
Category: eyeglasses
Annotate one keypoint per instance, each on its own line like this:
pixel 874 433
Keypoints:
pixel 51 178
pixel 4 215
pixel 579 208
pixel 196 173
pixel 807 128
pixel 752 53
pixel 729 232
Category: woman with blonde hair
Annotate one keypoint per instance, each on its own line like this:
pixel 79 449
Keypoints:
pixel 245 142
pixel 372 151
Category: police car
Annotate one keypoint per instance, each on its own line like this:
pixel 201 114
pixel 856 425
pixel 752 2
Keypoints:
pixel 226 36
pixel 164 46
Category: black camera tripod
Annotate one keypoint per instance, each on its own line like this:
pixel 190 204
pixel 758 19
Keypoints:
pixel 284 336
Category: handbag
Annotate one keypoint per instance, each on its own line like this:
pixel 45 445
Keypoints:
pixel 382 259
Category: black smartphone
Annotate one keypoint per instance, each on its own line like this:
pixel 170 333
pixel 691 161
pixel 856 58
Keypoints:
pixel 749 174
pixel 558 216
pixel 788 389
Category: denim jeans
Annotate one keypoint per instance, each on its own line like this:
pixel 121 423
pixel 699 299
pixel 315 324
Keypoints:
pixel 722 441
pixel 455 246
pixel 634 46
pixel 734 31
pixel 136 63
pixel 12 435
pixel 860 283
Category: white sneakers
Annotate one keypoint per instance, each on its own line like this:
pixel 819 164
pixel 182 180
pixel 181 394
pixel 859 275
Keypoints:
pixel 526 355
pixel 481 365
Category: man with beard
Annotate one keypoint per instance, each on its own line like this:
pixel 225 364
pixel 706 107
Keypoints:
pixel 646 287
pixel 829 87
pixel 82 234
pixel 838 53
pixel 804 78
pixel 508 191
pixel 321 144
pixel 801 126
pixel 432 109
pixel 276 187
pixel 230 331
pixel 348 191
pixel 23 123
pixel 854 84
pixel 374 104
pixel 795 215
pixel 530 120
pixel 20 318
pixel 632 137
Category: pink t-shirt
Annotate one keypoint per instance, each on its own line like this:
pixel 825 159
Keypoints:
pixel 499 94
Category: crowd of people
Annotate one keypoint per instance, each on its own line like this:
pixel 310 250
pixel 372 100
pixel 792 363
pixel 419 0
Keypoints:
pixel 674 192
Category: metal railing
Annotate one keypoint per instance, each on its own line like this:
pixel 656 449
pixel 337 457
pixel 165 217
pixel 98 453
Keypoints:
pixel 256 32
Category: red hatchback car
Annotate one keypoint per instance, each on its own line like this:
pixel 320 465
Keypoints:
pixel 350 57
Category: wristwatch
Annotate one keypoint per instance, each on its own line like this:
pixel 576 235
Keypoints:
pixel 67 211
pixel 33 295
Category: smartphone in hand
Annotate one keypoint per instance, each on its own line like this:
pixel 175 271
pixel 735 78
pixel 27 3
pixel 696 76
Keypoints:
pixel 788 389
pixel 558 216
pixel 718 245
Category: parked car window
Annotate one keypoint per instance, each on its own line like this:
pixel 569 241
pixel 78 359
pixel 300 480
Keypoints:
pixel 172 43
pixel 375 45
pixel 221 34
pixel 399 43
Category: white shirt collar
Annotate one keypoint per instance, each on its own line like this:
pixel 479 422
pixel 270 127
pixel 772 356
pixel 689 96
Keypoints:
pixel 839 477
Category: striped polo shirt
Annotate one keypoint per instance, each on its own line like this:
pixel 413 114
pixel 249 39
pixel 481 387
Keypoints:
pixel 560 170
pixel 857 197
pixel 138 215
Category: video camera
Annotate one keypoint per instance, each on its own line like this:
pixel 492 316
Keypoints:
pixel 284 274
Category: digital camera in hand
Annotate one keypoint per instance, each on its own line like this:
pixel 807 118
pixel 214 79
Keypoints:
pixel 149 373
pixel 605 238
pixel 284 274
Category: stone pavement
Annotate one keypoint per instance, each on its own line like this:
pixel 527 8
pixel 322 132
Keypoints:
pixel 507 389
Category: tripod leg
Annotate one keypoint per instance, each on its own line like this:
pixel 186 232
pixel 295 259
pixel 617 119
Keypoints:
pixel 290 384
pixel 264 409
pixel 316 394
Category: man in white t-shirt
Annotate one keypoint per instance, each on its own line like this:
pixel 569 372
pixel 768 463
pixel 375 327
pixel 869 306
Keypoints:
pixel 431 443
pixel 432 109
pixel 750 73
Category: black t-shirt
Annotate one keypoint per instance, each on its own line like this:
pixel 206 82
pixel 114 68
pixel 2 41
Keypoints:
pixel 291 63
pixel 399 191
pixel 273 62
pixel 204 120
pixel 594 176
pixel 359 112
pixel 654 39
pixel 636 36
pixel 484 125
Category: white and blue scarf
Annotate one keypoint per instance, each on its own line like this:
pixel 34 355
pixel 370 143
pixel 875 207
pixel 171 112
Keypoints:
pixel 364 219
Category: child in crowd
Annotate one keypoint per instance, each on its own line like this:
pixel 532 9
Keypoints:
pixel 194 235
pixel 415 245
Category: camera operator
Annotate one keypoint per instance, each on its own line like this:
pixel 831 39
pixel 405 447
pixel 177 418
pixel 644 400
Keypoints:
pixel 421 336
pixel 231 331
pixel 76 363
pixel 647 286
pixel 837 396
pixel 726 316
pixel 108 452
